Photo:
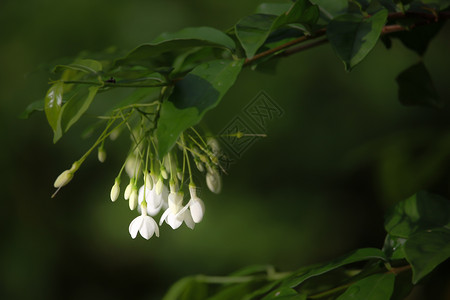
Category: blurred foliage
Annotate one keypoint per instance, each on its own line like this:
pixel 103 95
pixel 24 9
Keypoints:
pixel 317 187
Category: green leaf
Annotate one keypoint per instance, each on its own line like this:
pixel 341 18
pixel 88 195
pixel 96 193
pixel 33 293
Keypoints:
pixel 333 8
pixel 374 287
pixel 88 66
pixel 302 11
pixel 236 291
pixel 422 211
pixel 146 54
pixel 252 31
pixel 356 256
pixel 419 37
pixel 394 247
pixel 187 288
pixel 425 250
pixel 38 105
pixel 198 92
pixel 53 103
pixel 415 87
pixel 275 9
pixel 353 36
pixel 74 108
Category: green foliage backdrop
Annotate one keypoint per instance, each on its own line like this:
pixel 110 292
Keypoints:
pixel 316 188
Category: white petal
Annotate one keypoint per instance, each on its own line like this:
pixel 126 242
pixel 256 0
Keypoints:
pixel 197 210
pixel 173 221
pixel 148 227
pixel 164 216
pixel 135 225
pixel 188 220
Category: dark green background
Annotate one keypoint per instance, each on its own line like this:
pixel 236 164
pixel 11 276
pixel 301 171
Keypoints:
pixel 315 188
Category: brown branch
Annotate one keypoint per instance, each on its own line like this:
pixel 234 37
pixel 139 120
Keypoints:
pixel 425 19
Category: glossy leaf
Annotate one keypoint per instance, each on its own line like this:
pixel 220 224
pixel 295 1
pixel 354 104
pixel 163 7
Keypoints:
pixel 415 87
pixel 353 36
pixel 425 250
pixel 302 11
pixel 32 107
pixel 146 54
pixel 374 287
pixel 80 100
pixel 200 91
pixel 422 211
pixel 356 256
pixel 394 247
pixel 53 104
pixel 236 291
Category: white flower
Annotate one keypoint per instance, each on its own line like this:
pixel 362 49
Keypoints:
pixel 195 205
pixel 173 216
pixel 146 225
pixel 154 201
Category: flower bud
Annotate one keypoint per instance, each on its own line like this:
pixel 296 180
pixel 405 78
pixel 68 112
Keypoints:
pixel 159 186
pixel 199 166
pixel 133 198
pixel 66 176
pixel 128 189
pixel 115 190
pixel 101 154
pixel 213 181
pixel 164 173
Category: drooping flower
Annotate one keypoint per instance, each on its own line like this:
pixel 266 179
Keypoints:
pixel 195 206
pixel 143 224
pixel 172 214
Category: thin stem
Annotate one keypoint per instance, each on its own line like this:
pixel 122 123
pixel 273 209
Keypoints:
pixel 112 84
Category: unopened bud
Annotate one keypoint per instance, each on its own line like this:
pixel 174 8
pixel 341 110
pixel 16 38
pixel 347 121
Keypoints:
pixel 128 189
pixel 200 166
pixel 115 190
pixel 164 172
pixel 214 181
pixel 133 198
pixel 159 186
pixel 101 154
pixel 66 176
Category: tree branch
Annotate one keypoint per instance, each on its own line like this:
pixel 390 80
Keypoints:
pixel 424 19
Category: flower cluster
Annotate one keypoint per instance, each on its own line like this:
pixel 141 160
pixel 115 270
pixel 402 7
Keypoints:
pixel 155 185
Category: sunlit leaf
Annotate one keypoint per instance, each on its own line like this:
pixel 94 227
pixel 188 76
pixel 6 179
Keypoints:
pixel 425 250
pixel 353 36
pixel 80 100
pixel 415 87
pixel 374 287
pixel 53 103
pixel 198 92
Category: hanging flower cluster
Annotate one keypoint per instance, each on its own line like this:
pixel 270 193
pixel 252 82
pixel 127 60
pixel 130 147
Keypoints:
pixel 156 184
